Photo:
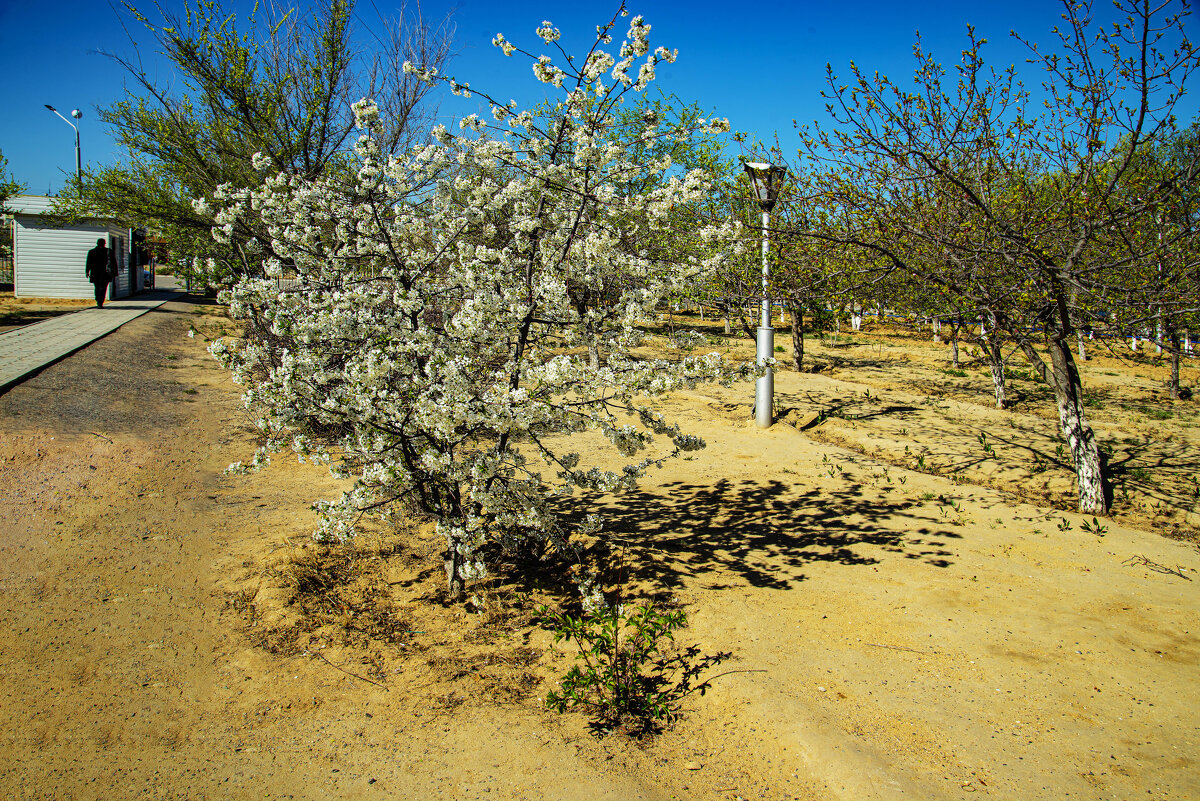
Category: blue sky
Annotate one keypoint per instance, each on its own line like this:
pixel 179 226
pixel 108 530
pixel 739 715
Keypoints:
pixel 759 63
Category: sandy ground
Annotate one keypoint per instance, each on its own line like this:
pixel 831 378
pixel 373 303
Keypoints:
pixel 169 631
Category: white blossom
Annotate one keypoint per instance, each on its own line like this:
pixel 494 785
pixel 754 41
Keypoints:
pixel 435 348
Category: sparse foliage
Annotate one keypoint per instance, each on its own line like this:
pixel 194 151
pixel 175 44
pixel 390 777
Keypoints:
pixel 628 675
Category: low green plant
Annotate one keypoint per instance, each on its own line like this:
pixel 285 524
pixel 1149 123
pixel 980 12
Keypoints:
pixel 627 675
pixel 1095 527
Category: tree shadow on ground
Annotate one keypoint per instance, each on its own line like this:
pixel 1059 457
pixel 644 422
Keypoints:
pixel 849 406
pixel 763 533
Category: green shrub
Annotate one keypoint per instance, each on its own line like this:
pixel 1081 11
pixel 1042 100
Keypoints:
pixel 625 676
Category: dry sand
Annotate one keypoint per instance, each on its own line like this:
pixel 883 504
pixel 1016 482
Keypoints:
pixel 170 632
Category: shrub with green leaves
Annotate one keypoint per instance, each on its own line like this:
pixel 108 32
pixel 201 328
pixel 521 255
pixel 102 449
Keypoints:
pixel 627 675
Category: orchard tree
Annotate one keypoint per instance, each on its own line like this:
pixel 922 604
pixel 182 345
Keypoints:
pixel 279 85
pixel 966 185
pixel 434 349
pixel 1162 291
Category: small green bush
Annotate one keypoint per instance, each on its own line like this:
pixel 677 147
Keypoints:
pixel 625 678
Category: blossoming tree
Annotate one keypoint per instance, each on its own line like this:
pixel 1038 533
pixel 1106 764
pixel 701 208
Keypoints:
pixel 432 350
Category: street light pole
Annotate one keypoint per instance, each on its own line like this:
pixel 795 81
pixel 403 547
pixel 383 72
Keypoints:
pixel 766 179
pixel 77 114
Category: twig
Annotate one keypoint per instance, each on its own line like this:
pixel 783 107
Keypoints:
pixel 101 436
pixel 897 647
pixel 730 672
pixel 321 656
pixel 1156 567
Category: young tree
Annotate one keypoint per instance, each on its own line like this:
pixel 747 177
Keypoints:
pixel 966 187
pixel 281 86
pixel 434 349
pixel 8 188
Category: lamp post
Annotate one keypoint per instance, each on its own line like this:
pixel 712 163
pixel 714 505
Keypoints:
pixel 766 179
pixel 77 114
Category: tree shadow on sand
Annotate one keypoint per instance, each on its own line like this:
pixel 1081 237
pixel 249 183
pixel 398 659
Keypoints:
pixel 763 533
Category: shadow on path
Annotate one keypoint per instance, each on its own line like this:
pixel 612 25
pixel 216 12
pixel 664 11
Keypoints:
pixel 763 533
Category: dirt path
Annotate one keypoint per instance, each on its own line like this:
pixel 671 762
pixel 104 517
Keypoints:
pixel 126 672
pixel 907 638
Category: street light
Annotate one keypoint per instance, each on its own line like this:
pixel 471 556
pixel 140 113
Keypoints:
pixel 766 179
pixel 77 114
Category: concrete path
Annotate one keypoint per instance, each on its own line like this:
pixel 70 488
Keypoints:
pixel 26 350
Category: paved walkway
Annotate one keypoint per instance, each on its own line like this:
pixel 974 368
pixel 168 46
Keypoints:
pixel 26 350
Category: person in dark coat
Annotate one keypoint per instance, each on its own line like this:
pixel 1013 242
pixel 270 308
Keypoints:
pixel 101 269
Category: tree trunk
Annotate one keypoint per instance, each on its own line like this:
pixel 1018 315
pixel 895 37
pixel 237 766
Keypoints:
pixel 954 326
pixel 993 348
pixel 750 332
pixel 1173 336
pixel 1063 377
pixel 1082 351
pixel 797 313
pixel 456 582
pixel 998 384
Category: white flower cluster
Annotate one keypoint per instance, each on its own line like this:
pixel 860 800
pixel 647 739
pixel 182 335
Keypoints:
pixel 456 309
pixel 548 32
pixel 500 42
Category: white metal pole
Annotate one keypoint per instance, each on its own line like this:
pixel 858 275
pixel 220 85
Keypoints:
pixel 764 388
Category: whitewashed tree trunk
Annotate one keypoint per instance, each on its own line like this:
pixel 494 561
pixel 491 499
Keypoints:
pixel 993 347
pixel 1063 377
pixel 998 384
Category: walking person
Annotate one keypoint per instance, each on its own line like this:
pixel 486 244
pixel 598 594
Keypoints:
pixel 101 269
